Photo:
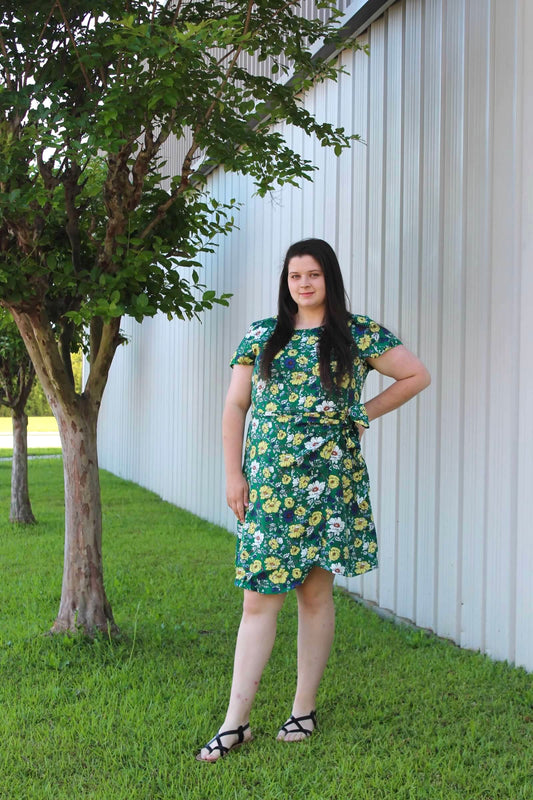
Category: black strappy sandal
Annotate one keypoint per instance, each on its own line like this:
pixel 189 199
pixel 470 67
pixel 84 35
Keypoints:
pixel 216 743
pixel 299 727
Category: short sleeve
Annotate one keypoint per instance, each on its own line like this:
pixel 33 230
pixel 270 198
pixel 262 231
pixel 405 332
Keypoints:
pixel 371 338
pixel 253 342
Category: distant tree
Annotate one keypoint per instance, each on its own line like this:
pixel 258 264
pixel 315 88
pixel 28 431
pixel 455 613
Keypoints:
pixel 16 379
pixel 95 225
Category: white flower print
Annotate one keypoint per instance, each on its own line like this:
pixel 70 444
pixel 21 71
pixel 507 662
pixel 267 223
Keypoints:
pixel 258 537
pixel 336 453
pixel 337 569
pixel 315 489
pixel 314 443
pixel 326 407
pixel 254 468
pixel 336 524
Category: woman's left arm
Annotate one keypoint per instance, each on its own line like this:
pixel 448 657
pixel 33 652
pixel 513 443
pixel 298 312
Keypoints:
pixel 410 377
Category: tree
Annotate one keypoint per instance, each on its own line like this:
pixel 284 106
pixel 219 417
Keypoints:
pixel 93 226
pixel 16 379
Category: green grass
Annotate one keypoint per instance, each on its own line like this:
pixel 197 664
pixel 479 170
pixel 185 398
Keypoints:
pixel 35 425
pixel 402 715
pixel 7 452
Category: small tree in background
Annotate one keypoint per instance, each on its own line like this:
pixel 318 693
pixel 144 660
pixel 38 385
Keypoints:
pixel 16 379
pixel 94 224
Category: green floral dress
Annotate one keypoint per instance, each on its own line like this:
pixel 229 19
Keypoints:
pixel 309 490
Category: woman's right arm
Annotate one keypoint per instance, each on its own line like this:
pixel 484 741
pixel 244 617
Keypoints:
pixel 237 404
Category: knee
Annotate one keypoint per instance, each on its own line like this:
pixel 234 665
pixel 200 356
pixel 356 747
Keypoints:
pixel 256 604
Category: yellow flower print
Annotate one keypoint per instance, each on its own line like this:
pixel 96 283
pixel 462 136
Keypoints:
pixel 240 573
pixel 292 352
pixel 300 511
pixel 265 492
pixel 346 551
pixel 296 573
pixel 245 555
pixel 279 576
pixel 312 339
pixel 312 551
pixel 273 544
pixel 361 319
pixel 345 380
pixel 309 401
pixel 345 482
pixel 296 530
pixel 252 526
pixel 271 562
pixel 253 495
pixel 255 566
pixel 358 542
pixel 372 547
pixel 265 427
pixel 348 463
pixel 266 473
pixel 303 482
pixel 333 481
pixel 364 342
pixel 302 360
pixel 327 450
pixel 316 370
pixel 274 389
pixel 285 479
pixel 358 476
pixel 253 451
pixel 374 327
pixel 298 438
pixel 245 360
pixel 329 512
pixel 361 566
pixel 334 554
pixel 286 460
pixel 293 397
pixel 295 550
pixel 272 506
pixel 363 505
pixel 271 407
pixel 352 385
pixel 282 435
pixel 262 447
pixel 288 502
pixel 255 349
pixel 315 518
pixel 283 418
pixel 298 378
pixel 360 524
pixel 347 495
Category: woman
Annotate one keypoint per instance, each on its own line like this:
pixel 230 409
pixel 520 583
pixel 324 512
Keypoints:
pixel 301 499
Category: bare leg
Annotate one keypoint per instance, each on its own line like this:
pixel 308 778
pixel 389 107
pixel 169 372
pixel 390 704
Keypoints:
pixel 316 627
pixel 255 640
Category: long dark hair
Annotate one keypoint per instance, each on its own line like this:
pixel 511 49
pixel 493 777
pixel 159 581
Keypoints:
pixel 336 340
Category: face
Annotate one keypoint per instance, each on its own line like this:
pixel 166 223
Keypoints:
pixel 306 283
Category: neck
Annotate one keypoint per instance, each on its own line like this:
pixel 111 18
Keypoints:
pixel 308 319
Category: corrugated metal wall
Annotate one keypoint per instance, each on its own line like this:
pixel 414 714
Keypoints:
pixel 432 221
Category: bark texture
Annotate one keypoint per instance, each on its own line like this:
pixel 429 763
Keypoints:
pixel 21 510
pixel 84 605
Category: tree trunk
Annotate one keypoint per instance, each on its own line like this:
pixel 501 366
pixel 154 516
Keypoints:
pixel 84 605
pixel 20 496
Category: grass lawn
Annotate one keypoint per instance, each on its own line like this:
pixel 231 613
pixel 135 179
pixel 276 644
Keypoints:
pixel 402 715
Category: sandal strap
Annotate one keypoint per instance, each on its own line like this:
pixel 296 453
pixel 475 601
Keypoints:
pixel 216 742
pixel 297 721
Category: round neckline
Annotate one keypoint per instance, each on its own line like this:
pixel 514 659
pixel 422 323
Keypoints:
pixel 317 328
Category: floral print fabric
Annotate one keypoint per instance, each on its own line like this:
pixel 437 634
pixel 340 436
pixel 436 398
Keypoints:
pixel 309 489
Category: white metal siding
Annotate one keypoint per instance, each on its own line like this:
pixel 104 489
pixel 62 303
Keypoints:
pixel 433 224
